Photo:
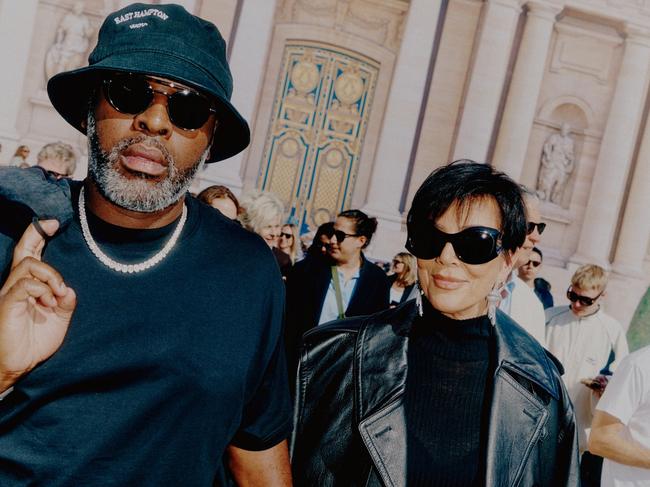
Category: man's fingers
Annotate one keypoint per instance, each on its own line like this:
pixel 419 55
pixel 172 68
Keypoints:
pixel 32 242
pixel 35 269
pixel 32 290
pixel 68 302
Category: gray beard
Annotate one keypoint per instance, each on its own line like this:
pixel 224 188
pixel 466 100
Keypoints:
pixel 141 195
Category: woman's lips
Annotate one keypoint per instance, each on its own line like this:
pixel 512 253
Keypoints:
pixel 447 283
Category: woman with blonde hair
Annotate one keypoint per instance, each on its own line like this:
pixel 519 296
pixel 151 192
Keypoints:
pixel 402 280
pixel 289 241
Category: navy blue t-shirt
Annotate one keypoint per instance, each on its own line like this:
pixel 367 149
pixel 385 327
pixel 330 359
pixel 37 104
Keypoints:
pixel 160 371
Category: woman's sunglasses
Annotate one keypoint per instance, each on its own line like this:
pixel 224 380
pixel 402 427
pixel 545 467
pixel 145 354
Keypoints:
pixel 133 94
pixel 340 235
pixel 584 300
pixel 286 235
pixel 534 263
pixel 474 245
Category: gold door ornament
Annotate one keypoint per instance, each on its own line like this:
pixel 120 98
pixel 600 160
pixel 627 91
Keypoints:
pixel 319 119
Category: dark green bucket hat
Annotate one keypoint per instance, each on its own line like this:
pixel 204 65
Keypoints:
pixel 158 40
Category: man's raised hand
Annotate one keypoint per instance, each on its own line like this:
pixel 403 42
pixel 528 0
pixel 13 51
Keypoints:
pixel 35 308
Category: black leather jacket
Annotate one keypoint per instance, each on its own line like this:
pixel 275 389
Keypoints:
pixel 349 425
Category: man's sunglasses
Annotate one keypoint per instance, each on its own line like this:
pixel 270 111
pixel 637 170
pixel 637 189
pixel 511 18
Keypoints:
pixel 534 263
pixel 286 235
pixel 532 225
pixel 133 94
pixel 584 300
pixel 340 235
pixel 474 245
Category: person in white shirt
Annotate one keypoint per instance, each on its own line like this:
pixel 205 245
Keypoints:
pixel 621 426
pixel 519 301
pixel 582 337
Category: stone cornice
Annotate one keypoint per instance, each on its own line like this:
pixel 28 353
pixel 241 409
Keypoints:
pixel 545 10
pixel 513 4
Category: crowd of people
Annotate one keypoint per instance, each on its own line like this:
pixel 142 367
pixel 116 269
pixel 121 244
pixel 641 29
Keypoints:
pixel 149 337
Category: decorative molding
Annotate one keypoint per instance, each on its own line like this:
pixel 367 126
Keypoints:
pixel 582 51
pixel 314 140
pixel 380 21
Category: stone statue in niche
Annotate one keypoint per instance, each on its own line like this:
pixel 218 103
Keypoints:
pixel 71 42
pixel 557 165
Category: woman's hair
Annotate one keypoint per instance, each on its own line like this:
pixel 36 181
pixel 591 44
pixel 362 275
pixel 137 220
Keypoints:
pixel 410 273
pixel 260 209
pixel 20 149
pixel 324 229
pixel 466 182
pixel 364 226
pixel 211 193
pixel 295 242
pixel 61 152
pixel 589 276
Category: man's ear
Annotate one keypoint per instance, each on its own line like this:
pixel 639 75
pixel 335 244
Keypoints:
pixel 509 260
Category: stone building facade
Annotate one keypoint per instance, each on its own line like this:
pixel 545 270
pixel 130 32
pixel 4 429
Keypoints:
pixel 353 102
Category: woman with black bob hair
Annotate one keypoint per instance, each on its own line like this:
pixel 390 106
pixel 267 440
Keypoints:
pixel 444 390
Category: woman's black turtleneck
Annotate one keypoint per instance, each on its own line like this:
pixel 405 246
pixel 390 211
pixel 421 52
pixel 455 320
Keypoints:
pixel 447 399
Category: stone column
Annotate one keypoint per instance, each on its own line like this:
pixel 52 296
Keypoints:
pixel 635 231
pixel 493 50
pixel 403 110
pixel 400 122
pixel 616 150
pixel 519 112
pixel 247 63
pixel 17 20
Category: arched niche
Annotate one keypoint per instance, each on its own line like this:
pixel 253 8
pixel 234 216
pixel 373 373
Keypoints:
pixel 578 116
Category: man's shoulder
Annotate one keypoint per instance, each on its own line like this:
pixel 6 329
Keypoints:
pixel 639 358
pixel 558 315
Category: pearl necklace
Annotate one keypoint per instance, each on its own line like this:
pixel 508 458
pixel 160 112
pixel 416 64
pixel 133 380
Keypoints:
pixel 117 266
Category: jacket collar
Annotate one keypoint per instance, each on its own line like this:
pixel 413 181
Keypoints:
pixel 381 356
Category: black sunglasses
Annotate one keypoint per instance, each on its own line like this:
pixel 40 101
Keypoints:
pixel 535 263
pixel 286 235
pixel 339 234
pixel 133 94
pixel 474 245
pixel 584 300
pixel 532 225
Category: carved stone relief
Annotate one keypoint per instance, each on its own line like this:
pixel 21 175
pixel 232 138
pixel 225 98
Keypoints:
pixel 557 164
pixel 319 121
pixel 72 42
pixel 380 21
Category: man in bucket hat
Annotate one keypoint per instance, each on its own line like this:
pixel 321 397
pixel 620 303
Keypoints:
pixel 140 343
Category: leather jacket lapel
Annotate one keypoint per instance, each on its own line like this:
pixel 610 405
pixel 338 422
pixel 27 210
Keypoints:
pixel 379 387
pixel 517 419
pixel 384 434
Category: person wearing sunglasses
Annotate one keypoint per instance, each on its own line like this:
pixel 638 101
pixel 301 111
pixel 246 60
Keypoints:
pixel 519 301
pixel 528 273
pixel 58 159
pixel 289 241
pixel 403 278
pixel 445 389
pixel 589 343
pixel 143 338
pixel 344 284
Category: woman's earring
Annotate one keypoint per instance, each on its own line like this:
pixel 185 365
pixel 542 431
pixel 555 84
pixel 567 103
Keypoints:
pixel 493 302
pixel 418 299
